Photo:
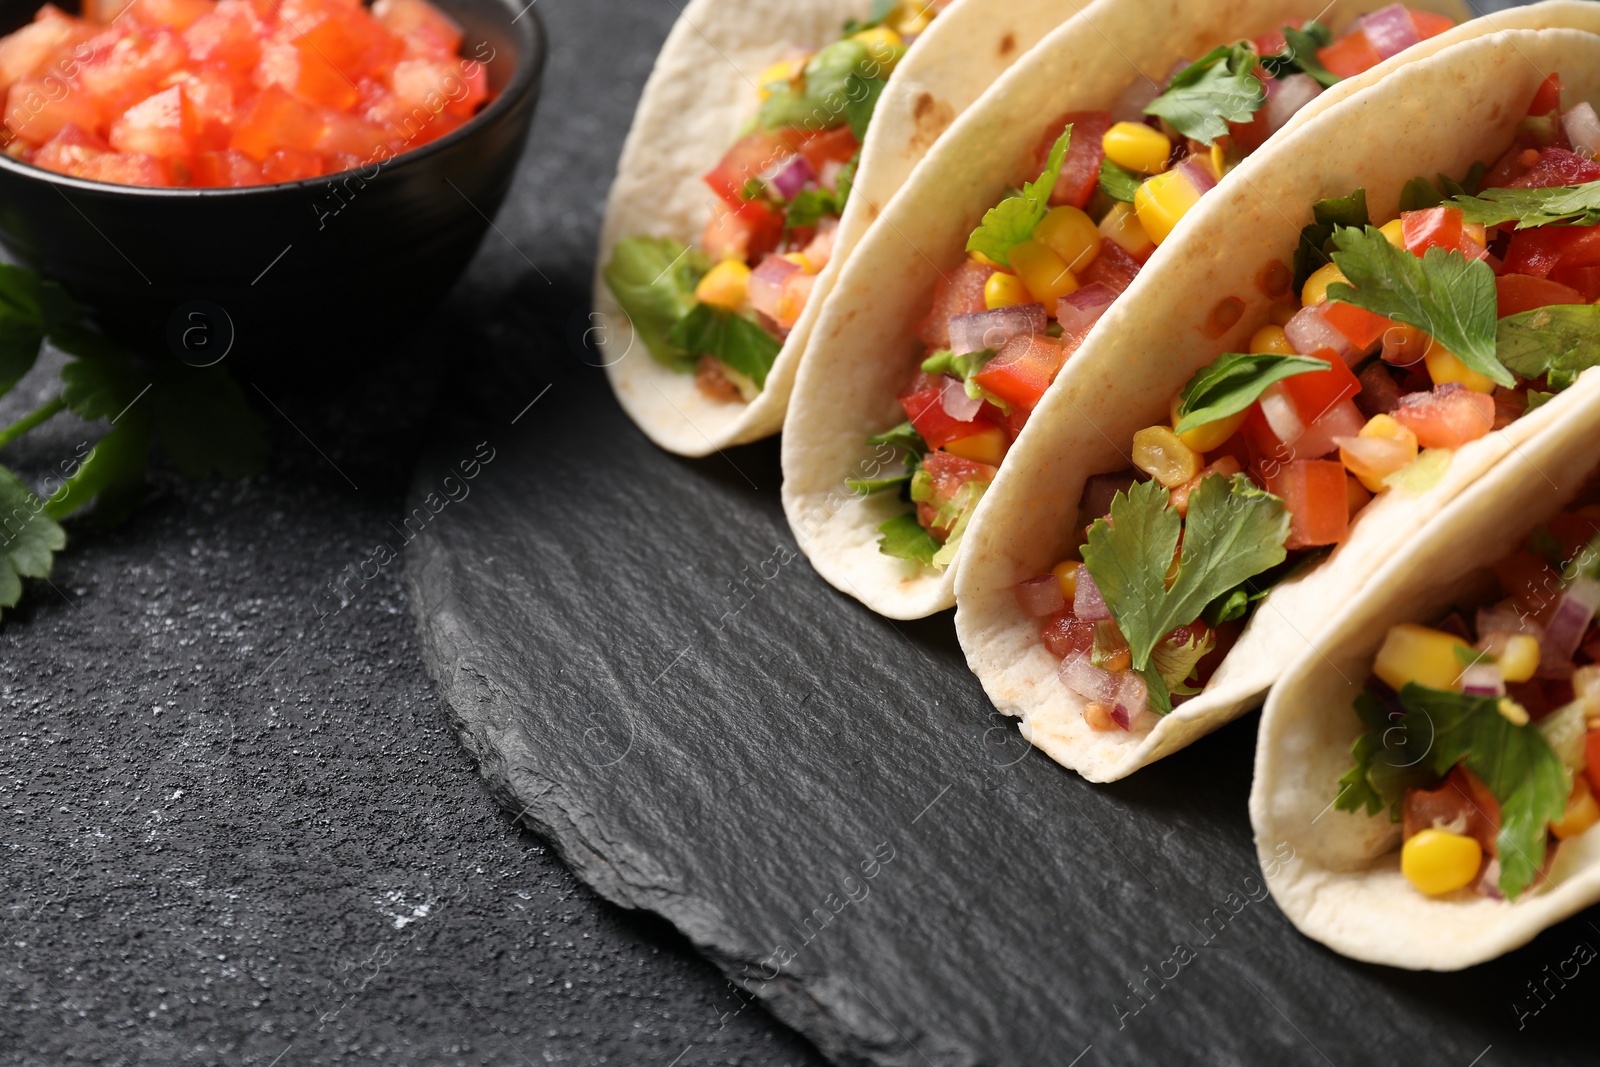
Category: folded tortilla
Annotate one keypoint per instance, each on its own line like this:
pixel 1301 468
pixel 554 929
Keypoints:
pixel 700 96
pixel 862 347
pixel 1432 115
pixel 1343 885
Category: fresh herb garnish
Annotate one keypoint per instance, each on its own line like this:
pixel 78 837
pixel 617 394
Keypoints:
pixel 654 278
pixel 1176 663
pixel 1444 294
pixel 1537 399
pixel 955 515
pixel 905 438
pixel 1300 52
pixel 1119 183
pixel 1383 766
pixel 729 338
pixel 29 539
pixel 904 538
pixel 1576 205
pixel 1014 219
pixel 809 207
pixel 1234 532
pixel 1469 185
pixel 1420 194
pixel 1316 240
pixel 861 102
pixel 1234 381
pixel 1558 342
pixel 1205 96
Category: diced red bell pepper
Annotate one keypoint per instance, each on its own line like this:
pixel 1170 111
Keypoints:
pixel 937 427
pixel 1080 172
pixel 1022 370
pixel 1350 55
pixel 1362 328
pixel 1548 97
pixel 748 159
pixel 1429 24
pixel 1518 292
pixel 838 145
pixel 1585 281
pixel 959 292
pixel 1449 417
pixel 1314 491
pixel 1113 267
pixel 1316 392
pixel 1557 167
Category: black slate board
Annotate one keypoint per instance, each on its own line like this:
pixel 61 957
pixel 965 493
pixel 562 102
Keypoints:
pixel 651 676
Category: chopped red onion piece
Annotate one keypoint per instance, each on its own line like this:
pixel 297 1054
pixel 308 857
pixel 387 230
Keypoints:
pixel 1583 129
pixel 1309 333
pixel 791 176
pixel 1328 430
pixel 1571 619
pixel 1390 30
pixel 829 178
pixel 1177 68
pixel 1129 107
pixel 766 284
pixel 1199 173
pixel 1133 700
pixel 993 329
pixel 1081 676
pixel 1553 669
pixel 1483 680
pixel 1040 596
pixel 1285 96
pixel 1278 407
pixel 957 404
pixel 1087 603
pixel 1503 618
pixel 1101 489
pixel 1079 312
pixel 1488 884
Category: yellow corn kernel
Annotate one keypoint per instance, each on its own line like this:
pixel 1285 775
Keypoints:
pixel 1477 231
pixel 911 17
pixel 1439 862
pixel 986 447
pixel 1443 366
pixel 1066 573
pixel 1413 653
pixel 1219 159
pixel 725 285
pixel 879 35
pixel 1137 147
pixel 1582 811
pixel 1005 290
pixel 1395 232
pixel 1271 339
pixel 1162 454
pixel 800 260
pixel 1520 659
pixel 1386 428
pixel 1212 435
pixel 1044 273
pixel 979 257
pixel 1316 288
pixel 781 73
pixel 1071 234
pixel 884 46
pixel 1121 224
pixel 1162 201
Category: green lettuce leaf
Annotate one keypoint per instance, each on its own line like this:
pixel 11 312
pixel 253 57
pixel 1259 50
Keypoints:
pixel 654 278
pixel 1207 95
pixel 1234 381
pixel 728 337
pixel 1014 219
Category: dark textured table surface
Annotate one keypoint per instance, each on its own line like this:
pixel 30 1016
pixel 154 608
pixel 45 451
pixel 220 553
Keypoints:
pixel 237 833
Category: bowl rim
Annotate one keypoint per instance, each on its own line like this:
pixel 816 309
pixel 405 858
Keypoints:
pixel 523 83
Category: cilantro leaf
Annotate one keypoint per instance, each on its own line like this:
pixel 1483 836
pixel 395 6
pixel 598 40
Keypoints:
pixel 1234 532
pixel 1469 185
pixel 1561 341
pixel 1515 762
pixel 1234 381
pixel 954 515
pixel 1300 51
pixel 861 101
pixel 111 476
pixel 1444 294
pixel 1357 789
pixel 29 538
pixel 1176 663
pixel 1419 194
pixel 728 337
pixel 869 486
pixel 1014 219
pixel 1205 96
pixel 903 436
pixel 654 278
pixel 1119 183
pixel 204 424
pixel 809 207
pixel 904 538
pixel 1316 240
pixel 1576 205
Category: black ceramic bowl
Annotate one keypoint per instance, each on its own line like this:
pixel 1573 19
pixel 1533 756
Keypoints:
pixel 313 268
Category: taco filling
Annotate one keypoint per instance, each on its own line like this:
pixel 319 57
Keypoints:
pixel 1407 341
pixel 722 309
pixel 1478 736
pixel 1106 189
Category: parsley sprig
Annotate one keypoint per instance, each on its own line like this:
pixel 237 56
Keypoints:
pixel 1013 220
pixel 1219 88
pixel 1570 205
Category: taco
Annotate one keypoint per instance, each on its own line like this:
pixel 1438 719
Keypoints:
pixel 1432 766
pixel 1042 205
pixel 750 174
pixel 1353 339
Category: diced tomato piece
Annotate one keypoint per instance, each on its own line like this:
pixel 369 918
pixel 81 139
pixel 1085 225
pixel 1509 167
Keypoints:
pixel 1585 281
pixel 173 14
pixel 1518 292
pixel 949 473
pixel 69 150
pixel 838 145
pixel 37 110
pixel 1066 634
pixel 230 35
pixel 1317 392
pixel 1429 24
pixel 214 96
pixel 959 292
pixel 1314 492
pixel 1435 227
pixel 288 165
pixel 1591 748
pixel 937 427
pixel 1249 136
pixel 1462 798
pixel 29 50
pixel 429 84
pixel 1449 417
pixel 277 120
pixel 425 29
pixel 1548 97
pixel 124 71
pixel 349 135
pixel 748 159
pixel 1022 370
pixel 160 125
pixel 122 168
pixel 1556 167
pixel 103 12
pixel 796 294
pixel 1080 172
pixel 1361 327
pixel 1513 164
pixel 748 233
pixel 1271 43
pixel 1113 267
pixel 298 67
pixel 226 169
pixel 1350 55
pixel 1536 252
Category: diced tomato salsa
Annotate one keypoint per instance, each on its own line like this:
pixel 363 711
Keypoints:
pixel 233 92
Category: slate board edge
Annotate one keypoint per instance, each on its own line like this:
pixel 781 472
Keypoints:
pixel 502 757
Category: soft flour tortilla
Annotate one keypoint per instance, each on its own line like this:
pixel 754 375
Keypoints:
pixel 1344 887
pixel 863 347
pixel 1434 115
pixel 701 94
